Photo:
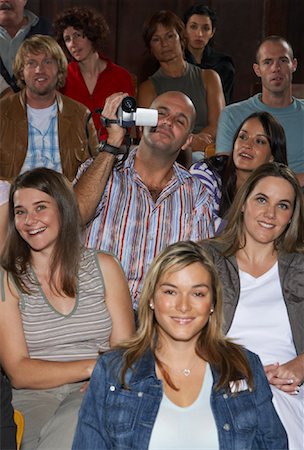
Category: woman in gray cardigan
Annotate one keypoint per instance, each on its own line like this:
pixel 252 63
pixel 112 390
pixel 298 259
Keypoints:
pixel 260 259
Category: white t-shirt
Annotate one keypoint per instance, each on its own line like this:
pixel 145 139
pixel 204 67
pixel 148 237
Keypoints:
pixel 261 321
pixel 261 324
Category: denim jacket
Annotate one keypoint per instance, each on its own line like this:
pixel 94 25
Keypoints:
pixel 115 418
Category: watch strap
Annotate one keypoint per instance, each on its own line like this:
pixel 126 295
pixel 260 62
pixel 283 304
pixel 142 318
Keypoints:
pixel 105 147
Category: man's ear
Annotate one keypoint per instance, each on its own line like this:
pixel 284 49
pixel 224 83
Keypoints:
pixel 256 69
pixel 294 64
pixel 188 142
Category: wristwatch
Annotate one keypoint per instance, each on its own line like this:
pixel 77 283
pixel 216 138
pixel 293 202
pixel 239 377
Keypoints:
pixel 105 147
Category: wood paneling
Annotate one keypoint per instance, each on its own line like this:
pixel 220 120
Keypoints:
pixel 241 25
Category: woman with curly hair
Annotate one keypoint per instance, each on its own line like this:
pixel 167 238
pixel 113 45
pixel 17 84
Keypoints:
pixel 92 77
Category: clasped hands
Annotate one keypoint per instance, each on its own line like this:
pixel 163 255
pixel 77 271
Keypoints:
pixel 288 376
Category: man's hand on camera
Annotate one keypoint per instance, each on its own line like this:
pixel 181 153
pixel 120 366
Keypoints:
pixel 115 132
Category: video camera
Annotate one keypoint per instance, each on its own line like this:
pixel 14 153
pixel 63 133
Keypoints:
pixel 128 114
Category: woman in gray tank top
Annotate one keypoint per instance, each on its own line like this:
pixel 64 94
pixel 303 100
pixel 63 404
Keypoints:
pixel 60 305
pixel 164 35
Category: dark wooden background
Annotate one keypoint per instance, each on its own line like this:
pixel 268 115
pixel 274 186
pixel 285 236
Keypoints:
pixel 241 25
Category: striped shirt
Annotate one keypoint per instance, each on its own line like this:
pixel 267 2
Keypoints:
pixel 134 228
pixel 43 143
pixel 213 183
pixel 53 336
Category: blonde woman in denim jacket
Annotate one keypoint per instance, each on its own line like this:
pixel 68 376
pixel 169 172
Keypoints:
pixel 178 383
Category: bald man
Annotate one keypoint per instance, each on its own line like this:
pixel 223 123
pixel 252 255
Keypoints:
pixel 149 201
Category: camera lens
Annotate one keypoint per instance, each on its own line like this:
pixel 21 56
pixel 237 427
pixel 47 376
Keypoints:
pixel 128 104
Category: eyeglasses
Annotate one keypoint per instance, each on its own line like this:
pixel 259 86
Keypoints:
pixel 32 64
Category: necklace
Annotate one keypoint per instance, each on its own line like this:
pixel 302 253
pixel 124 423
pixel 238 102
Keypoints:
pixel 186 371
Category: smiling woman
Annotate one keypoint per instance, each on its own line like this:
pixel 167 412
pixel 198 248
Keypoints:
pixel 178 383
pixel 65 304
pixel 260 260
pixel 258 139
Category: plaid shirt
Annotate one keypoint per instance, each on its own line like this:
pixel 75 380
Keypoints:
pixel 43 146
pixel 135 229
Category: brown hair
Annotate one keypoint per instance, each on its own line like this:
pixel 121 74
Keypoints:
pixel 93 26
pixel 277 39
pixel 292 238
pixel 169 20
pixel 17 253
pixel 227 357
pixel 40 44
pixel 277 142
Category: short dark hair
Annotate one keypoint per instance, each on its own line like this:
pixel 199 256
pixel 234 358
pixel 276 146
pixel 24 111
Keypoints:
pixel 17 253
pixel 274 38
pixel 93 25
pixel 167 19
pixel 201 10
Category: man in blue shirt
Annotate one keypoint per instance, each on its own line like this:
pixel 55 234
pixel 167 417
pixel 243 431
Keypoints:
pixel 275 64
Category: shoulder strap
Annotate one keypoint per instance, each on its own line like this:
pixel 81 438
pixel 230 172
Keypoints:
pixel 2 286
pixel 10 80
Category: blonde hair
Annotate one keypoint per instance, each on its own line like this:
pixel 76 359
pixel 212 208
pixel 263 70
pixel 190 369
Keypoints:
pixel 228 358
pixel 40 44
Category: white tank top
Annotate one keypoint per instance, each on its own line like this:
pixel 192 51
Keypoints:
pixel 186 428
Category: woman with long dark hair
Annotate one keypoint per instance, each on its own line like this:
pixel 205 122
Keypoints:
pixel 60 306
pixel 258 140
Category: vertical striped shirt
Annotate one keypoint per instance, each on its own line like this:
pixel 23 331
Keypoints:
pixel 213 183
pixel 135 229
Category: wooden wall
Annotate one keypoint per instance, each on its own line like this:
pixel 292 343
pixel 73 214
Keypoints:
pixel 241 25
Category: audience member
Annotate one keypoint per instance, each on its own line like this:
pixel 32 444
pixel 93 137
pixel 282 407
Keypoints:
pixel 164 35
pixel 178 381
pixel 259 139
pixel 7 424
pixel 200 22
pixel 60 305
pixel 5 88
pixel 149 201
pixel 260 259
pixel 91 76
pixel 16 24
pixel 39 126
pixel 275 65
pixel 4 194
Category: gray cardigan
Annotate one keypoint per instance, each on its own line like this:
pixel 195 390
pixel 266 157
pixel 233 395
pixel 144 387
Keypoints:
pixel 291 272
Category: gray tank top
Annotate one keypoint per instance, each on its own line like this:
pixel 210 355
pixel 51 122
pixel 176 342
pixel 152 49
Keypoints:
pixel 191 84
pixel 81 334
